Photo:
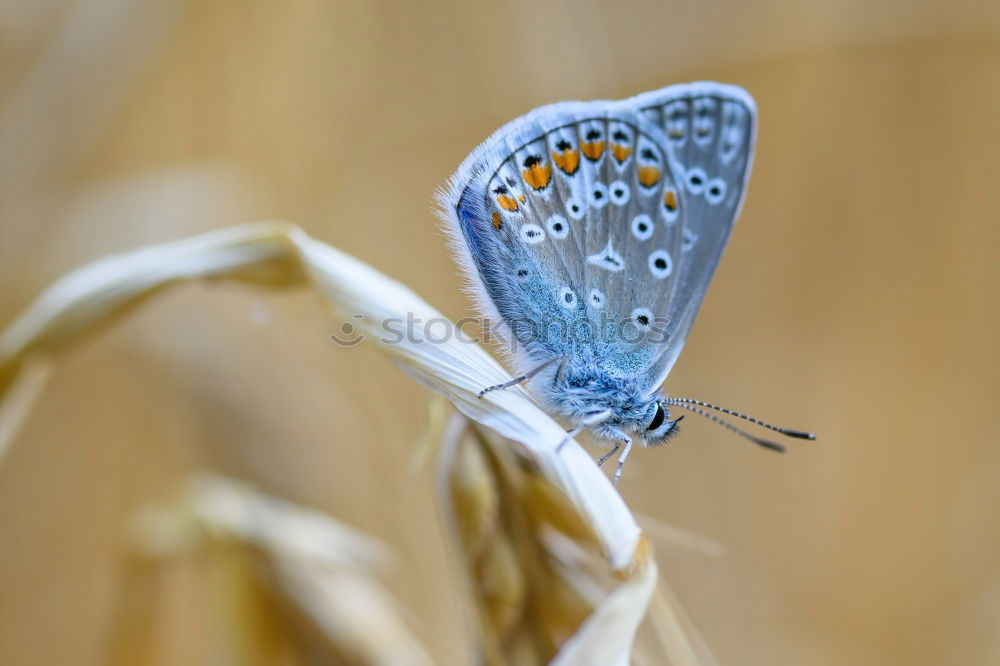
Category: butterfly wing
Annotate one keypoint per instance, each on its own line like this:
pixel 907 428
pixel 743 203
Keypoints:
pixel 592 230
pixel 710 130
pixel 569 220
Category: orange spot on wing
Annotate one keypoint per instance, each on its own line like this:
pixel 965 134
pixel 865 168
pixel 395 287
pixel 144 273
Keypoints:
pixel 670 200
pixel 620 152
pixel 538 176
pixel 676 134
pixel 521 198
pixel 497 220
pixel 649 176
pixel 568 160
pixel 507 203
pixel 593 150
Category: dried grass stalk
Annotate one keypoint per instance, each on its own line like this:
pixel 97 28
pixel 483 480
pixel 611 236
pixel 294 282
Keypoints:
pixel 541 592
pixel 320 572
pixel 277 254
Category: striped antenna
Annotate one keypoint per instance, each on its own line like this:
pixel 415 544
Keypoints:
pixel 766 443
pixel 685 402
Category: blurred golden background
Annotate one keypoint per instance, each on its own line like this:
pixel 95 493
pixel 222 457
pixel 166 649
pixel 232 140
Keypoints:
pixel 856 298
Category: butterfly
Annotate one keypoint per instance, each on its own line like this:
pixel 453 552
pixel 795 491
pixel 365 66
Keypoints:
pixel 591 231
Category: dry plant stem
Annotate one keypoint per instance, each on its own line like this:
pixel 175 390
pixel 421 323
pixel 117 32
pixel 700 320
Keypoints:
pixel 21 395
pixel 532 560
pixel 282 573
pixel 278 254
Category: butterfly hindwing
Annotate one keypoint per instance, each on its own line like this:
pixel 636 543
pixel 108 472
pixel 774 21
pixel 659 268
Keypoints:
pixel 710 130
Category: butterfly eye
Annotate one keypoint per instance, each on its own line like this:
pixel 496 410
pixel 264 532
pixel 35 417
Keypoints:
pixel 658 418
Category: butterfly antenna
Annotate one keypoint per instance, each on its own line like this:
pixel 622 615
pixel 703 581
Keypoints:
pixel 767 444
pixel 798 434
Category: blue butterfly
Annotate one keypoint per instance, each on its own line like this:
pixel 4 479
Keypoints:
pixel 591 230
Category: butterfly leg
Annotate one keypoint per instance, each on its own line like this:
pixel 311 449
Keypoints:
pixel 517 380
pixel 621 460
pixel 621 439
pixel 607 456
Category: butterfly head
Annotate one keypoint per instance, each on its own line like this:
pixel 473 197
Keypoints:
pixel 660 429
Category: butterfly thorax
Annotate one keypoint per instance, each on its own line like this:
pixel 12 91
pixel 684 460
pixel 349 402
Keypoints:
pixel 582 390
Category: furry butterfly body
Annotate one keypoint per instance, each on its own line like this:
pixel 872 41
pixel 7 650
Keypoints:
pixel 591 230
